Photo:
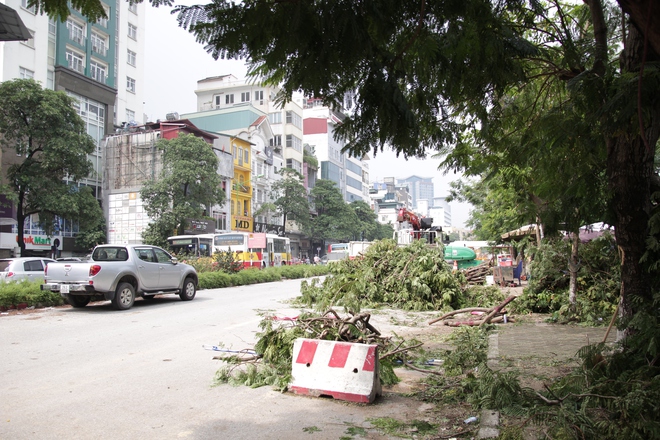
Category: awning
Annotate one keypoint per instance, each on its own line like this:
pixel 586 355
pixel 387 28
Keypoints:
pixel 11 25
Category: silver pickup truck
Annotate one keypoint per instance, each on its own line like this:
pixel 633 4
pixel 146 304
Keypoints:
pixel 119 273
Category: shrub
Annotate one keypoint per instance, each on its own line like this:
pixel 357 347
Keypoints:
pixel 28 292
pixel 599 281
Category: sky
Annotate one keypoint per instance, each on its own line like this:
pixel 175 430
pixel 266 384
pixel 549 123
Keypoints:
pixel 175 62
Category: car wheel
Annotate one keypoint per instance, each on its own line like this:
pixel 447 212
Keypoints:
pixel 124 296
pixel 78 301
pixel 189 290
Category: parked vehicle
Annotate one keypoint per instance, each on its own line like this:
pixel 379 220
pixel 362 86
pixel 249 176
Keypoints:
pixel 356 248
pixel 119 274
pixel 23 268
pixel 333 257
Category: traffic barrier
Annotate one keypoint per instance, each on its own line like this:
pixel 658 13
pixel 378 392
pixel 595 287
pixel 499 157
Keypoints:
pixel 342 370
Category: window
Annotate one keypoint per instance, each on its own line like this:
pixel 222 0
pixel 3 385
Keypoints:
pixel 52 26
pixel 229 99
pixel 24 73
pixel 276 141
pixel 104 21
pixel 131 57
pixel 98 71
pixel 132 31
pixel 30 42
pixel 294 142
pixel 132 7
pixel 76 31
pixel 294 118
pixel 259 96
pixel 294 165
pixel 99 44
pixel 50 79
pixel 130 115
pixel 130 84
pixel 275 118
pixel 24 5
pixel 245 96
pixel 246 156
pixel 75 60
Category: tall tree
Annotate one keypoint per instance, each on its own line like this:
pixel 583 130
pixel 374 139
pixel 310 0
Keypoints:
pixel 188 186
pixel 290 197
pixel 334 219
pixel 91 231
pixel 423 70
pixel 48 142
pixel 366 227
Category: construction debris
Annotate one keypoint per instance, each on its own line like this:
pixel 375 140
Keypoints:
pixel 476 275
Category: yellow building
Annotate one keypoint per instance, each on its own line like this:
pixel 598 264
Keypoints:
pixel 241 189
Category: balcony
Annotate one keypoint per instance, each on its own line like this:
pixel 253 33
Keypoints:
pixel 242 188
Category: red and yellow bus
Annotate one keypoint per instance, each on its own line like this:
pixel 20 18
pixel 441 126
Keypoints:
pixel 255 249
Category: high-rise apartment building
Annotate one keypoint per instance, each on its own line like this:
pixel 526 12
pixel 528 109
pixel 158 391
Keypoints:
pixel 351 174
pixel 99 64
pixel 421 188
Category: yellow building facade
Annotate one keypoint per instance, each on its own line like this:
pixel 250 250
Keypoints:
pixel 241 188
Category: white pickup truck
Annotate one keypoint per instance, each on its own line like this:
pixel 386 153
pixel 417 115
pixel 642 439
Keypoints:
pixel 119 273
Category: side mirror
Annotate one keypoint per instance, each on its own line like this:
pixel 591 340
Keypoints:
pixel 174 260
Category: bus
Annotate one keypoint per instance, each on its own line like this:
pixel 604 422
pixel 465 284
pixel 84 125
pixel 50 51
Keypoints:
pixel 338 247
pixel 193 245
pixel 253 249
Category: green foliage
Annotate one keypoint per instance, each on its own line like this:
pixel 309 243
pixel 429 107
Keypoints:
pixel 289 197
pixel 48 142
pixel 393 427
pixel 334 219
pixel 599 281
pixel 226 262
pixel 414 277
pixel 471 350
pixel 92 229
pixel 480 296
pixel 188 186
pixel 30 293
pixel 59 9
pixel 217 279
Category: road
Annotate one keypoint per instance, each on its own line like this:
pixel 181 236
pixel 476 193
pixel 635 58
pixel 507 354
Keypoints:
pixel 96 373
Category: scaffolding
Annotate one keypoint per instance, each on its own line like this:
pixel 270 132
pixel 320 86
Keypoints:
pixel 132 159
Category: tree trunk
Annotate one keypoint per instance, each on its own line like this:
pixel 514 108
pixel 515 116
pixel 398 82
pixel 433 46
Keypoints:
pixel 20 223
pixel 573 267
pixel 629 172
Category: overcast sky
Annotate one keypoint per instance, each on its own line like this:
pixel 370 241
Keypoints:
pixel 175 62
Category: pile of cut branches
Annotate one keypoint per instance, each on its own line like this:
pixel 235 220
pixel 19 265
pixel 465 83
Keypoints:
pixel 270 361
pixel 413 277
pixel 493 315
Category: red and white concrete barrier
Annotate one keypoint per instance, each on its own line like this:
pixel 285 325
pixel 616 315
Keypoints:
pixel 343 370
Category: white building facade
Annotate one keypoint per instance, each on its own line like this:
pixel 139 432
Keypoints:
pixel 351 174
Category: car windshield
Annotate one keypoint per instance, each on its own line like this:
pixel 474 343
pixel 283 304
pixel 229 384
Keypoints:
pixel 4 265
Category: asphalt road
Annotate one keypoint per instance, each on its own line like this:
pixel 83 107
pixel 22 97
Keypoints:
pixel 96 373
